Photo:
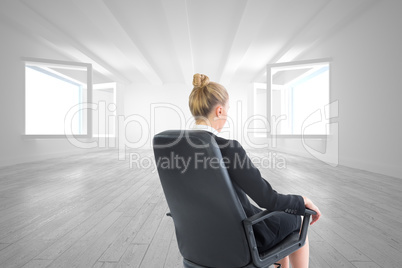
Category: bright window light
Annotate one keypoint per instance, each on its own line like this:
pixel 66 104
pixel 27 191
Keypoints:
pixel 297 92
pixel 54 93
pixel 260 125
pixel 104 117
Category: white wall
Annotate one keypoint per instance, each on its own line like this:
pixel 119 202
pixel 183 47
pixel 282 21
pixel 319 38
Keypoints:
pixel 168 105
pixel 366 70
pixel 14 148
pixel 366 80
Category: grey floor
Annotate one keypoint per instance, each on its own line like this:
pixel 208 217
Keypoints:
pixel 92 210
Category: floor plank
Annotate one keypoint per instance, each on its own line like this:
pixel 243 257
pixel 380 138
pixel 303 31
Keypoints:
pixel 92 210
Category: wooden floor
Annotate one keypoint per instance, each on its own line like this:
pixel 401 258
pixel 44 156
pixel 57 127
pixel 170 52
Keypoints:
pixel 95 211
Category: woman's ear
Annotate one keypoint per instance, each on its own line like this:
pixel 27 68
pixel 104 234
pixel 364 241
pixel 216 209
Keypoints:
pixel 219 111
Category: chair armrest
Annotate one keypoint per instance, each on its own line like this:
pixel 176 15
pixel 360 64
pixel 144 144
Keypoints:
pixel 306 221
pixel 260 216
pixel 309 211
pixel 280 252
pixel 266 214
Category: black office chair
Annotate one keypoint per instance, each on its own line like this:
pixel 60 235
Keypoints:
pixel 211 226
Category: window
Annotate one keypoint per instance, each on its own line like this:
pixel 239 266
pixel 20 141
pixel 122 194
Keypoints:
pixel 56 94
pixel 259 122
pixel 297 91
pixel 104 116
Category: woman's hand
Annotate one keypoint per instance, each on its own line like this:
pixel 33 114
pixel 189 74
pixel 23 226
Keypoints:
pixel 310 205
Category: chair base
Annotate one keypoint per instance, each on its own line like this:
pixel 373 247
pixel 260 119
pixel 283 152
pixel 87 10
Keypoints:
pixel 189 264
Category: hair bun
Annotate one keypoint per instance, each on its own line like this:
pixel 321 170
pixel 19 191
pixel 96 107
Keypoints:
pixel 200 80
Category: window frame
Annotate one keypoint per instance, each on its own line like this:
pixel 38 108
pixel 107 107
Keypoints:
pixel 100 86
pixel 89 92
pixel 269 94
pixel 256 88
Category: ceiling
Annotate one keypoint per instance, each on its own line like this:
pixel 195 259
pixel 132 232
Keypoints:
pixel 167 41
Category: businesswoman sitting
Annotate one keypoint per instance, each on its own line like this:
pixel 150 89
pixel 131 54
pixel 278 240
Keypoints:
pixel 209 104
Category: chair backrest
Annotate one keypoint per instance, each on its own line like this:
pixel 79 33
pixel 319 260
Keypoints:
pixel 206 211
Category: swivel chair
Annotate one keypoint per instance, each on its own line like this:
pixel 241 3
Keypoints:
pixel 211 226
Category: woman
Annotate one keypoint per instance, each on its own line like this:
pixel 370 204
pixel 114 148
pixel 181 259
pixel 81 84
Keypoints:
pixel 209 104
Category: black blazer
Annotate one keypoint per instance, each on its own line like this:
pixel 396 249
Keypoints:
pixel 247 180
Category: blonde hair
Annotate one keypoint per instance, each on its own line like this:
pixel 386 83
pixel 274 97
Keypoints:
pixel 205 96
